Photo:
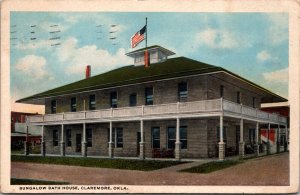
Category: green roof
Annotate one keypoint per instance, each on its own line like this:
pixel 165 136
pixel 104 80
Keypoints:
pixel 174 67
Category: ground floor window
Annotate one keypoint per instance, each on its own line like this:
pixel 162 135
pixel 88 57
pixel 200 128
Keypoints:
pixel 252 136
pixel 89 137
pixel 117 137
pixel 155 137
pixel 172 137
pixel 224 134
pixel 55 137
pixel 69 138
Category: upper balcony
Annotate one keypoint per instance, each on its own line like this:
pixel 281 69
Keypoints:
pixel 205 108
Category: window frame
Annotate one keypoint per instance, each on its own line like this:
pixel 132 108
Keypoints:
pixel 182 91
pixel 55 138
pixel 73 106
pixel 113 101
pixel 238 97
pixel 222 91
pixel 155 139
pixel 254 102
pixel 118 131
pixel 89 137
pixel 224 134
pixel 169 141
pixel 69 138
pixel 149 98
pixel 92 102
pixel 132 96
pixel 53 107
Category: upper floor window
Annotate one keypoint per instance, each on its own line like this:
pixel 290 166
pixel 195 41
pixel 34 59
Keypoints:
pixel 53 106
pixel 222 91
pixel 89 137
pixel 155 137
pixel 92 102
pixel 69 137
pixel 253 102
pixel 182 91
pixel 55 137
pixel 149 96
pixel 73 104
pixel 132 99
pixel 113 99
pixel 238 97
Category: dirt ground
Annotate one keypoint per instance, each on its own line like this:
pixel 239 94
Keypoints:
pixel 271 170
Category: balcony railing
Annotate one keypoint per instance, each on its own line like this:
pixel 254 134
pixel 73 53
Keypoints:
pixel 198 107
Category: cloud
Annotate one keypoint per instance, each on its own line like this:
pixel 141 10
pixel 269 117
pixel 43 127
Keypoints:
pixel 263 56
pixel 76 58
pixel 278 31
pixel 33 65
pixel 217 39
pixel 278 76
pixel 42 44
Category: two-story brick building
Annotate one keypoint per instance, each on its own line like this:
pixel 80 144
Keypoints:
pixel 177 107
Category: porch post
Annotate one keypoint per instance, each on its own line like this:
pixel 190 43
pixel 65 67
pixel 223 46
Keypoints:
pixel 178 143
pixel 256 139
pixel 221 143
pixel 268 140
pixel 43 148
pixel 142 143
pixel 62 141
pixel 278 139
pixel 242 143
pixel 26 143
pixel 286 139
pixel 110 143
pixel 84 148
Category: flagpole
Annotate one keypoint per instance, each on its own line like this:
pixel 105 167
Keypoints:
pixel 146 32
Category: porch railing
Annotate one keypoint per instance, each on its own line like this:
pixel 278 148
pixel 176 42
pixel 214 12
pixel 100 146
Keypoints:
pixel 197 107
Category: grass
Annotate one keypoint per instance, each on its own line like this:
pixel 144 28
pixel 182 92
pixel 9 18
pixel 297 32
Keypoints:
pixel 15 181
pixel 212 166
pixel 142 165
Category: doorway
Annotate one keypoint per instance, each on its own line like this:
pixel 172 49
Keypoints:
pixel 138 140
pixel 78 142
pixel 237 138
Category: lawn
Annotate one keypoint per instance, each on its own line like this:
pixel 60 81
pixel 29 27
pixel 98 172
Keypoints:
pixel 212 166
pixel 15 181
pixel 142 165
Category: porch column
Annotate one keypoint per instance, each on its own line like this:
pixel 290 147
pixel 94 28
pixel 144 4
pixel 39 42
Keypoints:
pixel 43 148
pixel 83 144
pixel 278 139
pixel 110 143
pixel 26 143
pixel 242 143
pixel 221 143
pixel 178 143
pixel 256 147
pixel 62 142
pixel 286 139
pixel 142 143
pixel 268 140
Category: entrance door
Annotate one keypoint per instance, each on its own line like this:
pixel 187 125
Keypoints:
pixel 138 140
pixel 237 138
pixel 78 142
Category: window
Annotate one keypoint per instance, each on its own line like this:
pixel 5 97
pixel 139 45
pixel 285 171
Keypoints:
pixel 69 138
pixel 149 96
pixel 183 137
pixel 224 134
pixel 252 136
pixel 132 99
pixel 238 97
pixel 119 137
pixel 182 91
pixel 55 137
pixel 172 137
pixel 253 102
pixel 73 104
pixel 221 91
pixel 92 102
pixel 113 99
pixel 53 106
pixel 89 137
pixel 155 137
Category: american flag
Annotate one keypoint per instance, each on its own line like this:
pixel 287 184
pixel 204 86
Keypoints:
pixel 138 37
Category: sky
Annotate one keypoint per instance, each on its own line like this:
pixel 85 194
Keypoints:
pixel 50 49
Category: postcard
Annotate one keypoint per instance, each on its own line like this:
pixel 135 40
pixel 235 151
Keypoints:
pixel 147 96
